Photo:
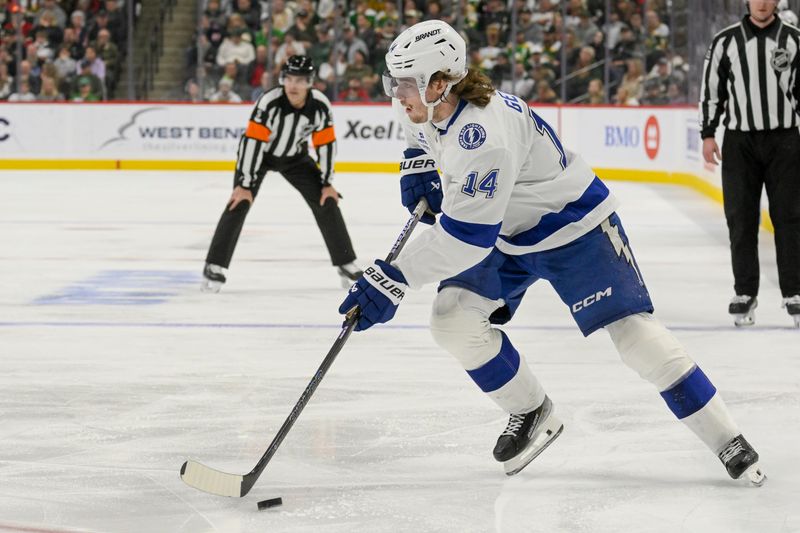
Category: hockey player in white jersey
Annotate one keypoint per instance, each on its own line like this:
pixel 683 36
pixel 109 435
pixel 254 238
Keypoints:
pixel 517 207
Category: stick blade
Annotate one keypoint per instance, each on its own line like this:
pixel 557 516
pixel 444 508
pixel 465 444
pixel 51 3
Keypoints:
pixel 213 481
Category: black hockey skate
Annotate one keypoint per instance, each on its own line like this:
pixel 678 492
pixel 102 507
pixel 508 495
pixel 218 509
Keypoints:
pixel 349 274
pixel 740 458
pixel 213 278
pixel 792 305
pixel 526 436
pixel 742 307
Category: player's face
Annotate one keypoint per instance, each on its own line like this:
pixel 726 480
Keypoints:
pixel 762 10
pixel 415 109
pixel 406 92
pixel 409 97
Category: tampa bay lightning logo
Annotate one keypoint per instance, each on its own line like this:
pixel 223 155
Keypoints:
pixel 472 136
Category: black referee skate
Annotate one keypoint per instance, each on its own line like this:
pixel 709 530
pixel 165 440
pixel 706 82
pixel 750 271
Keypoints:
pixel 792 305
pixel 743 307
pixel 740 458
pixel 213 278
pixel 349 274
pixel 526 436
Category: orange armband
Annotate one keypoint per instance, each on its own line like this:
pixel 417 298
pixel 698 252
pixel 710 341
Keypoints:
pixel 323 137
pixel 257 131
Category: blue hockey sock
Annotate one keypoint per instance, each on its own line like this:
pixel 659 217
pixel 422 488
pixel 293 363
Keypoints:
pixel 690 394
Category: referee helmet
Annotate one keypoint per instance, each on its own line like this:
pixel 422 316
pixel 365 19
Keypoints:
pixel 298 65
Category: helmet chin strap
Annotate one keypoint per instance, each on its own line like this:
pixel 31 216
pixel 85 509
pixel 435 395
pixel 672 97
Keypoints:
pixel 432 105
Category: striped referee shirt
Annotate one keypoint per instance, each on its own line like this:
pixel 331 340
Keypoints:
pixel 279 130
pixel 751 75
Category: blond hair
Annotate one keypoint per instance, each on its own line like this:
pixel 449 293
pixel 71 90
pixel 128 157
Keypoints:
pixel 476 88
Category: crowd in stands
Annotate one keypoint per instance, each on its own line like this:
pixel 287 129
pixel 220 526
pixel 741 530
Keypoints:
pixel 61 50
pixel 56 50
pixel 238 39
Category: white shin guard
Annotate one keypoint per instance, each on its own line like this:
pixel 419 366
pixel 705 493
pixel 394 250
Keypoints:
pixel 651 350
pixel 460 324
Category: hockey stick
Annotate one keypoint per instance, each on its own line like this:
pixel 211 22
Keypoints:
pixel 214 481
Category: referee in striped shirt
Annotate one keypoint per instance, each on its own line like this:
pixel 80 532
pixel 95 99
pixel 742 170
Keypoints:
pixel 751 77
pixel 277 139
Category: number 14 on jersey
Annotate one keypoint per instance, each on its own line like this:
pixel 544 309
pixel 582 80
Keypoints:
pixel 486 185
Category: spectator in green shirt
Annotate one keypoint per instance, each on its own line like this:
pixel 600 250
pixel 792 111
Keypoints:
pixel 84 92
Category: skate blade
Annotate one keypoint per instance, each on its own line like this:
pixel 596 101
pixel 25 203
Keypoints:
pixel 755 475
pixel 210 286
pixel 743 321
pixel 550 431
pixel 346 282
pixel 796 321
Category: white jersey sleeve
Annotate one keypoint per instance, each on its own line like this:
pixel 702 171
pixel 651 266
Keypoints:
pixel 478 185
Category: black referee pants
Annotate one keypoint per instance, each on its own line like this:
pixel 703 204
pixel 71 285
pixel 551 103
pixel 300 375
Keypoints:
pixel 752 161
pixel 304 175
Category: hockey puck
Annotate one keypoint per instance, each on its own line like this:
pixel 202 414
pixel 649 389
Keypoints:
pixel 272 502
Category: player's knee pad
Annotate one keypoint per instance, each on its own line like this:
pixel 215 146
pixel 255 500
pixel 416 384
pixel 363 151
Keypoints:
pixel 650 349
pixel 460 325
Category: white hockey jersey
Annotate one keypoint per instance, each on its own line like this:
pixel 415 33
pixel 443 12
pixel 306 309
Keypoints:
pixel 507 182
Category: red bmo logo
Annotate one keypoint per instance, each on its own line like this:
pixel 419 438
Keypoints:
pixel 652 137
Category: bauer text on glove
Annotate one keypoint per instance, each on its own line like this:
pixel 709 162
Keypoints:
pixel 377 293
pixel 420 179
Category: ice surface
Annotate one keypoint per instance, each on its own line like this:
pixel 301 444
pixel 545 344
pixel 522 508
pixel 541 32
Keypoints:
pixel 114 369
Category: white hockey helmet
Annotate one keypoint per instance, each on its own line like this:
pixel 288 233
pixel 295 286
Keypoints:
pixel 421 51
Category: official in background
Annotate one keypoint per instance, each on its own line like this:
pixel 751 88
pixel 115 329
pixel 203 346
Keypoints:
pixel 276 139
pixel 751 77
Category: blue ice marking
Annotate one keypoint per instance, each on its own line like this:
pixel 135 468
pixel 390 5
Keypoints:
pixel 123 287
